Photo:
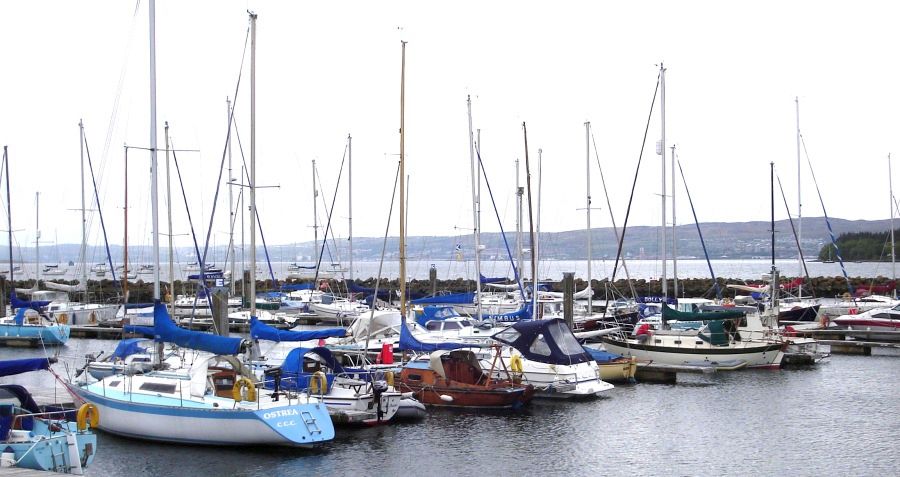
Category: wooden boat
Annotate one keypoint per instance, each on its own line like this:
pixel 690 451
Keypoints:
pixel 456 379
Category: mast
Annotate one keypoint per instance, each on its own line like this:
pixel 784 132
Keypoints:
pixel 230 199
pixel 125 237
pixel 315 253
pixel 530 228
pixel 799 202
pixel 37 237
pixel 252 296
pixel 84 273
pixel 661 150
pixel 402 181
pixel 893 254
pixel 774 283
pixel 154 202
pixel 350 199
pixel 519 192
pixel 537 234
pixel 171 231
pixel 587 146
pixel 674 240
pixel 9 221
pixel 475 211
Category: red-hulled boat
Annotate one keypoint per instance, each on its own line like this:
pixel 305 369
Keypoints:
pixel 456 379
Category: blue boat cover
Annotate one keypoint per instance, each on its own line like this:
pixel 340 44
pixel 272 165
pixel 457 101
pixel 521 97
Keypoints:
pixel 602 356
pixel 35 305
pixel 297 286
pixel 454 298
pixel 262 331
pixel 167 331
pixel 432 312
pixel 10 367
pixel 408 342
pixel 545 341
pixel 383 293
pixel 485 279
pixel 128 347
pixel 293 363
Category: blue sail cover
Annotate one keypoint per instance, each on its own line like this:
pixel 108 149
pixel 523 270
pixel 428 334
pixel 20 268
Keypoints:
pixel 451 299
pixel 297 286
pixel 36 305
pixel 262 331
pixel 167 331
pixel 293 362
pixel 10 367
pixel 408 342
pixel 130 346
pixel 485 279
pixel 545 341
pixel 383 294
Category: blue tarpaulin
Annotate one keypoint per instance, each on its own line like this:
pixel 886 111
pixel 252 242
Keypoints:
pixel 10 367
pixel 262 331
pixel 455 298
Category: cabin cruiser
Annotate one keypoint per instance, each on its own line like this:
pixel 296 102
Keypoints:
pixel 882 323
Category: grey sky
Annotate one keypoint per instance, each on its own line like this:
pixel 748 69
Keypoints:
pixel 326 69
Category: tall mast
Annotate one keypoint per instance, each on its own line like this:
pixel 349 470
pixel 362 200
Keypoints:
pixel 519 192
pixel 402 180
pixel 674 240
pixel 125 237
pixel 315 254
pixel 154 203
pixel 84 273
pixel 799 202
pixel 774 284
pixel 891 192
pixel 475 211
pixel 252 296
pixel 230 198
pixel 661 150
pixel 9 219
pixel 587 148
pixel 537 231
pixel 530 228
pixel 37 237
pixel 350 199
pixel 171 231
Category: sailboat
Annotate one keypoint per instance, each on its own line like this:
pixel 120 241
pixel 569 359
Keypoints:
pixel 29 324
pixel 201 393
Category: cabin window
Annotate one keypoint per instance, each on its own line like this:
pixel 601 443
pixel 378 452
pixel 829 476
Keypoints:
pixel 113 384
pixel 677 341
pixel 433 326
pixel 565 340
pixel 158 388
pixel 414 377
pixel 698 342
pixel 509 335
pixel 539 346
pixel 451 325
pixel 466 323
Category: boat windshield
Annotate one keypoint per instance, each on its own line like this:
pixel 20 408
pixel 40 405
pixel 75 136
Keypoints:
pixel 565 340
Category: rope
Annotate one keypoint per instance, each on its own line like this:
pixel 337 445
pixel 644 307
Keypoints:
pixel 700 233
pixel 258 220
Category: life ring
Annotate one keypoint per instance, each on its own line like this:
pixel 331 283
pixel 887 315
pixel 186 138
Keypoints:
pixel 62 318
pixel 318 383
pixel 237 391
pixel 92 318
pixel 87 414
pixel 515 364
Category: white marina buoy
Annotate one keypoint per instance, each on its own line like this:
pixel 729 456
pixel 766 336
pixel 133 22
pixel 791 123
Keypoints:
pixel 446 398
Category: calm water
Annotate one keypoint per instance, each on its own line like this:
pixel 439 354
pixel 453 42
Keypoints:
pixel 745 269
pixel 839 418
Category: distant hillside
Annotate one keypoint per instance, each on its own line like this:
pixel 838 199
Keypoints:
pixel 723 239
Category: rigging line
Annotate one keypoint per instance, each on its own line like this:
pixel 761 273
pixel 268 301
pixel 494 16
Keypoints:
pixel 112 268
pixel 502 233
pixel 337 249
pixel 387 231
pixel 837 250
pixel 612 218
pixel 796 238
pixel 700 233
pixel 262 235
pixel 202 281
pixel 633 186
pixel 330 211
pixel 212 215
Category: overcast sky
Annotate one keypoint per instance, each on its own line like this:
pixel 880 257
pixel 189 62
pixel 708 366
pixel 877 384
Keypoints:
pixel 329 69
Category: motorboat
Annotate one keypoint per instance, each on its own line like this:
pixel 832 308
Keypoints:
pixel 61 441
pixel 880 323
pixel 32 327
pixel 54 270
pixel 202 394
pixel 456 378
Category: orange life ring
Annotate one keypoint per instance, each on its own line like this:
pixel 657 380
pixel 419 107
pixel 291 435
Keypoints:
pixel 87 414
